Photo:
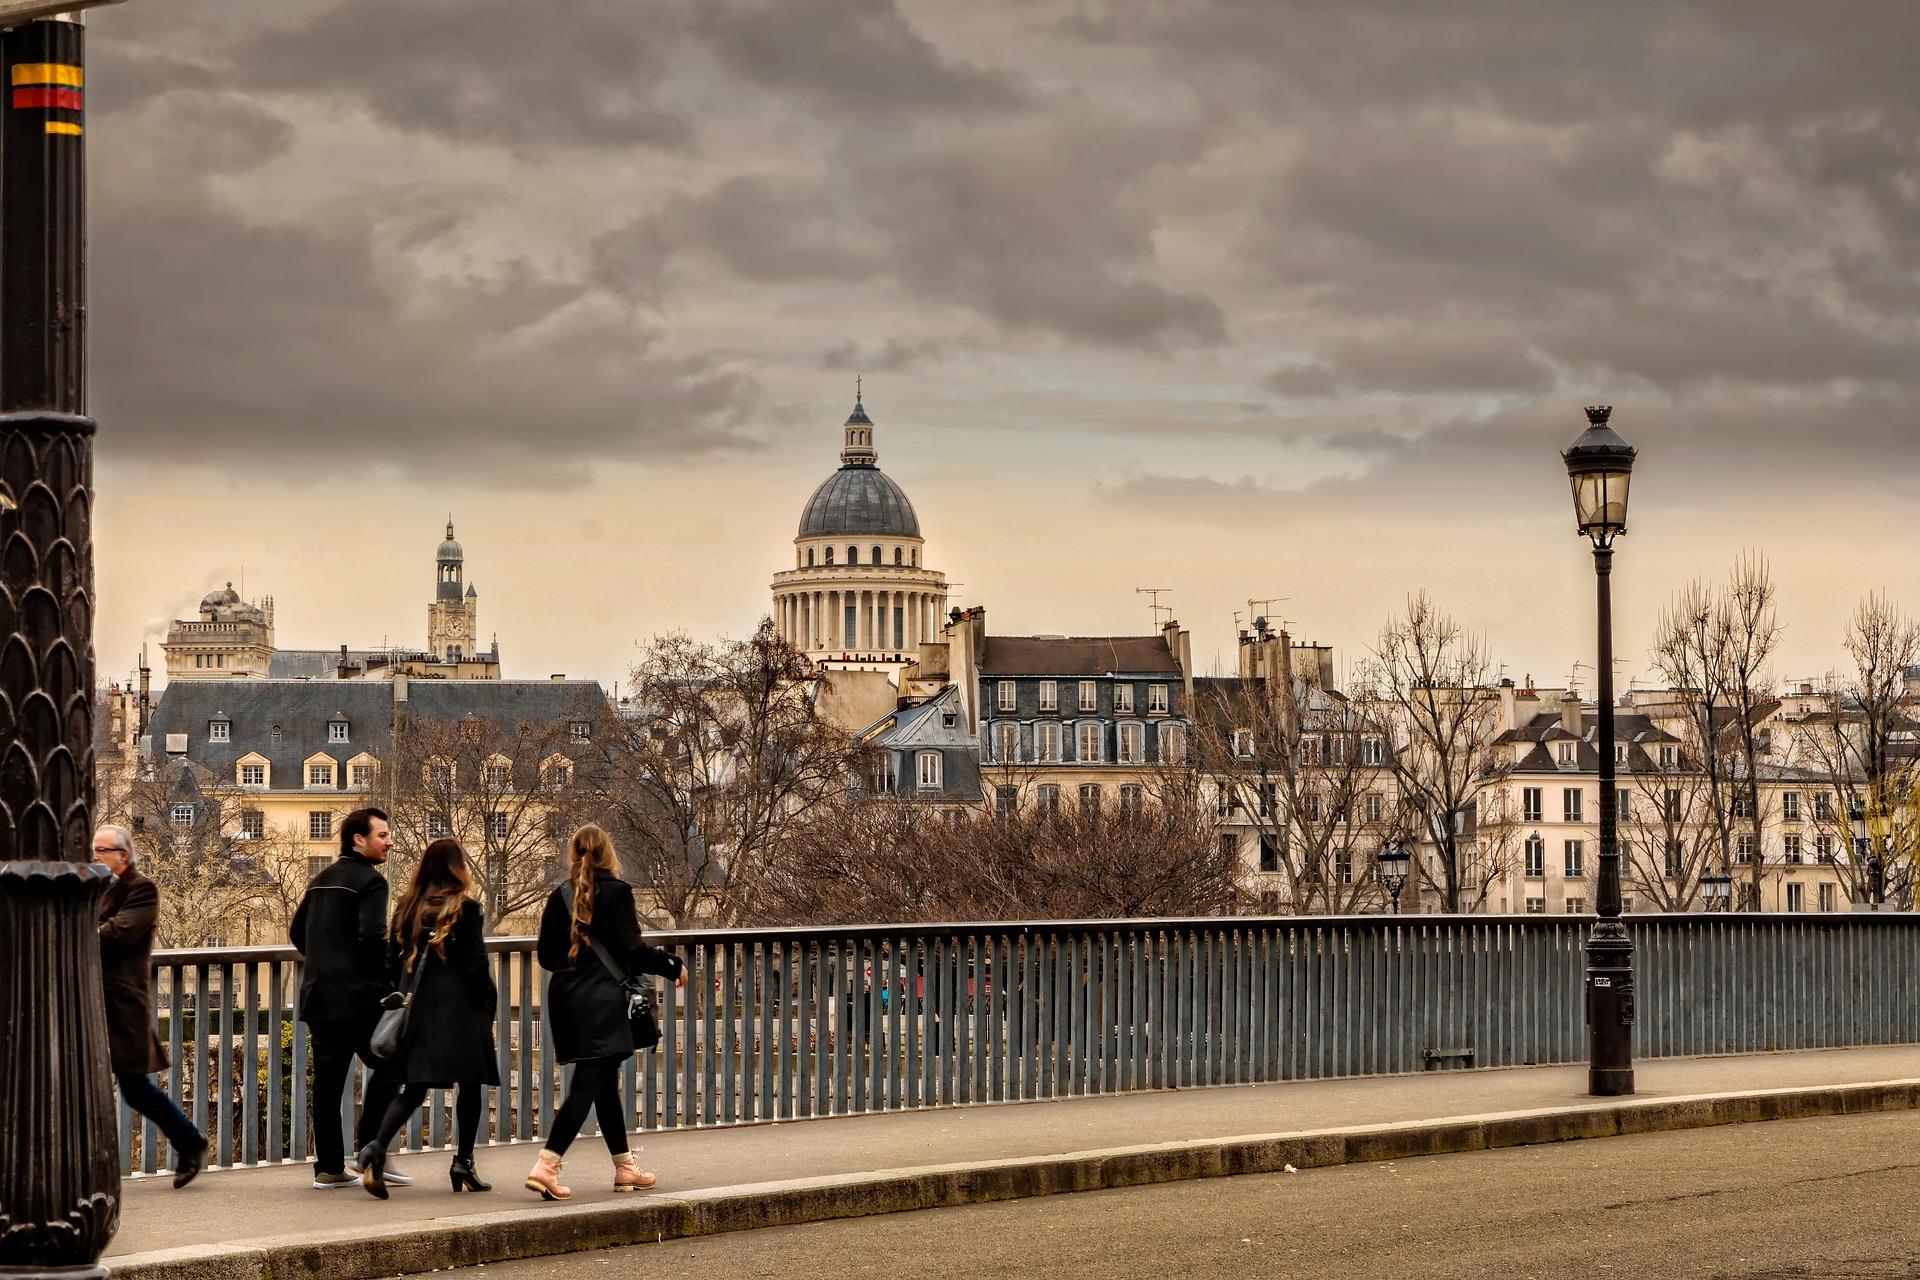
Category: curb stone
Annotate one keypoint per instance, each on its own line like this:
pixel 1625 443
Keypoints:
pixel 505 1235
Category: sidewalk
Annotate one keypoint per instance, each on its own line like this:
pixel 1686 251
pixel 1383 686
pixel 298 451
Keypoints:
pixel 234 1208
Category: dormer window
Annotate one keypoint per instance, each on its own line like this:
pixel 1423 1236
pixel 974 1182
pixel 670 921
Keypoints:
pixel 579 731
pixel 1566 753
pixel 219 731
pixel 336 731
pixel 319 775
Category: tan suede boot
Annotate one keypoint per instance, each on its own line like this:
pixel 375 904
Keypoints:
pixel 628 1175
pixel 544 1177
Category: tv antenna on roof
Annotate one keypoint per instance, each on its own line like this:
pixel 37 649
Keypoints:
pixel 1153 604
pixel 1263 609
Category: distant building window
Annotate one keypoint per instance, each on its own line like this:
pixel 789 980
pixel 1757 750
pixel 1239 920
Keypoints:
pixel 1796 897
pixel 1576 906
pixel 1046 741
pixel 437 826
pixel 1575 859
pixel 319 775
pixel 1823 848
pixel 1005 801
pixel 1004 692
pixel 1373 751
pixel 1827 896
pixel 1375 806
pixel 1743 849
pixel 1089 743
pixel 1269 852
pixel 336 731
pixel 829 554
pixel 1822 807
pixel 182 815
pixel 853 555
pixel 219 731
pixel 1570 804
pixel 1089 795
pixel 253 824
pixel 1666 756
pixel 1566 753
pixel 499 776
pixel 1049 695
pixel 1623 805
pixel 809 557
pixel 1674 804
pixel 1242 744
pixel 1742 805
pixel 928 766
pixel 1048 797
pixel 253 775
pixel 579 731
pixel 362 776
pixel 1619 753
pixel 1130 797
pixel 1790 806
pixel 498 824
pixel 1133 744
pixel 1230 847
pixel 1089 696
pixel 1676 858
pixel 439 777
pixel 1006 742
pixel 1536 906
pixel 319 824
pixel 899 555
pixel 876 555
pixel 1532 799
pixel 1156 699
pixel 558 776
pixel 1536 857
pixel 1123 699
pixel 1790 847
pixel 1173 744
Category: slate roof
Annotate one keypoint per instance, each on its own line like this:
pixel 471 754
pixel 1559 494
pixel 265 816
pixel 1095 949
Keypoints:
pixel 302 710
pixel 313 664
pixel 859 501
pixel 1076 656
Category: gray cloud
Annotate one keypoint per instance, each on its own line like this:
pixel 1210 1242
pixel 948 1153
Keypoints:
pixel 891 356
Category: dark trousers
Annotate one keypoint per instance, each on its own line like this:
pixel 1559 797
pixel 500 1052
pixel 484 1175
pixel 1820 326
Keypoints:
pixel 335 1045
pixel 150 1100
pixel 595 1088
pixel 466 1114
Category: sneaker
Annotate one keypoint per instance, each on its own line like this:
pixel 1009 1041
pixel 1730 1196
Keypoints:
pixel 330 1181
pixel 392 1176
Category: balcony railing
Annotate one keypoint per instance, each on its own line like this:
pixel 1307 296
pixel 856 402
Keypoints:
pixel 791 1024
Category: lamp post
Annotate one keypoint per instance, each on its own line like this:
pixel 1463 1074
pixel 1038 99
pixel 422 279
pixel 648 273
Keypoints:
pixel 59 1167
pixel 1394 860
pixel 1716 888
pixel 1599 464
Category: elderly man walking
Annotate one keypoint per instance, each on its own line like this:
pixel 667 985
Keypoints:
pixel 127 913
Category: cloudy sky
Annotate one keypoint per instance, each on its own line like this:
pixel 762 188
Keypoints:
pixel 1262 299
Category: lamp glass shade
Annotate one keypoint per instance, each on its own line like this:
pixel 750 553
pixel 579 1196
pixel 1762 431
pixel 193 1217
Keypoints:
pixel 1600 501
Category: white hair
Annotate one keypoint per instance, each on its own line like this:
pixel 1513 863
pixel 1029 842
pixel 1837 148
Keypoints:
pixel 121 836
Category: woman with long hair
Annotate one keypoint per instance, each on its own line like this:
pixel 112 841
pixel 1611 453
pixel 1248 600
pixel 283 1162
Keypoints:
pixel 438 945
pixel 587 1007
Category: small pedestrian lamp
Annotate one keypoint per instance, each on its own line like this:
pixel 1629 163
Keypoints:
pixel 1394 861
pixel 1716 888
pixel 1599 464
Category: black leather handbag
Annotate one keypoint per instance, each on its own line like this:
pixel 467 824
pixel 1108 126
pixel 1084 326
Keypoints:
pixel 391 1031
pixel 642 1020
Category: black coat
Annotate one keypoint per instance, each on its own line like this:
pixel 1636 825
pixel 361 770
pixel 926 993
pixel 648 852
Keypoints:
pixel 450 1031
pixel 127 911
pixel 341 929
pixel 586 1009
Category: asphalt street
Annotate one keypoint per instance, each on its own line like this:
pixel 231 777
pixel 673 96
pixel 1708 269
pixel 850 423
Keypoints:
pixel 1802 1198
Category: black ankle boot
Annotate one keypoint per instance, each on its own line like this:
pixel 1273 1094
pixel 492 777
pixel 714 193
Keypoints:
pixel 373 1165
pixel 463 1176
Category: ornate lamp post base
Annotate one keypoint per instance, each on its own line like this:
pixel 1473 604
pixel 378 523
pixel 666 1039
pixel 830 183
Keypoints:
pixel 1609 1010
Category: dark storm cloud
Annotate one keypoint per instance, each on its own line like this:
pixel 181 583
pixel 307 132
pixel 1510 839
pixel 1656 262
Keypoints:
pixel 856 56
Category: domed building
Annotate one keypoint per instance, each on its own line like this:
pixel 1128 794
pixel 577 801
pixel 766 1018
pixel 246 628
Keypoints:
pixel 860 595
pixel 229 639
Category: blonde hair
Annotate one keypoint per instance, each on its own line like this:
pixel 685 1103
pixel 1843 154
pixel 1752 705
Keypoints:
pixel 592 851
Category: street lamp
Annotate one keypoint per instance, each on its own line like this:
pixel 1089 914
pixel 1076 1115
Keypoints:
pixel 1716 888
pixel 1599 464
pixel 1394 859
pixel 59 1168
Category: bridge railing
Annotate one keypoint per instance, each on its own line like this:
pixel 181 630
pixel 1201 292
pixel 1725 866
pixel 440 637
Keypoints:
pixel 795 1023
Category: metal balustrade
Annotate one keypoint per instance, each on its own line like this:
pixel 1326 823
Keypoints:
pixel 795 1023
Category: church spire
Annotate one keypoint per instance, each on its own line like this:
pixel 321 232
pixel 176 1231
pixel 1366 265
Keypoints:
pixel 858 450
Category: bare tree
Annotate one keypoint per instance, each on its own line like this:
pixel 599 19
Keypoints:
pixel 899 859
pixel 507 790
pixel 219 882
pixel 722 750
pixel 1662 853
pixel 1429 687
pixel 1305 769
pixel 1749 632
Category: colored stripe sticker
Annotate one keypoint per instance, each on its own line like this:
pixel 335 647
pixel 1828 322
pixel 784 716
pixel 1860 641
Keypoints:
pixel 49 73
pixel 65 126
pixel 61 99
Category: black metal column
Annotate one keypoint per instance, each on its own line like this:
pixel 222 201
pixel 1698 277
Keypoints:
pixel 59 1174
pixel 1609 950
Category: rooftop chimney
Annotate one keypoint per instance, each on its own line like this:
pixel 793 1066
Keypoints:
pixel 1570 713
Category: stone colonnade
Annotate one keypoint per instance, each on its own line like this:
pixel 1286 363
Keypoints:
pixel 819 620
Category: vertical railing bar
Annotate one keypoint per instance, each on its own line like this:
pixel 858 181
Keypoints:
pixel 731 1019
pixel 250 1072
pixel 276 1069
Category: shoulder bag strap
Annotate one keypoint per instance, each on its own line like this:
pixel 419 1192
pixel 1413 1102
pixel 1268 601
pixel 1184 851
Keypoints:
pixel 606 958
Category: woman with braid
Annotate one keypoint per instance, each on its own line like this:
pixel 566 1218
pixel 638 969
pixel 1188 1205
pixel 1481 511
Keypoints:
pixel 438 946
pixel 587 1007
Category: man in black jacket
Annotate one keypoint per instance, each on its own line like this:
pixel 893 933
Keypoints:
pixel 127 914
pixel 341 929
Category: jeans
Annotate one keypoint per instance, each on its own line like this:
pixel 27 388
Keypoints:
pixel 334 1046
pixel 140 1092
pixel 596 1088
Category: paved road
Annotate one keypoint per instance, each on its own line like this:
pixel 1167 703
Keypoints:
pixel 1801 1198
